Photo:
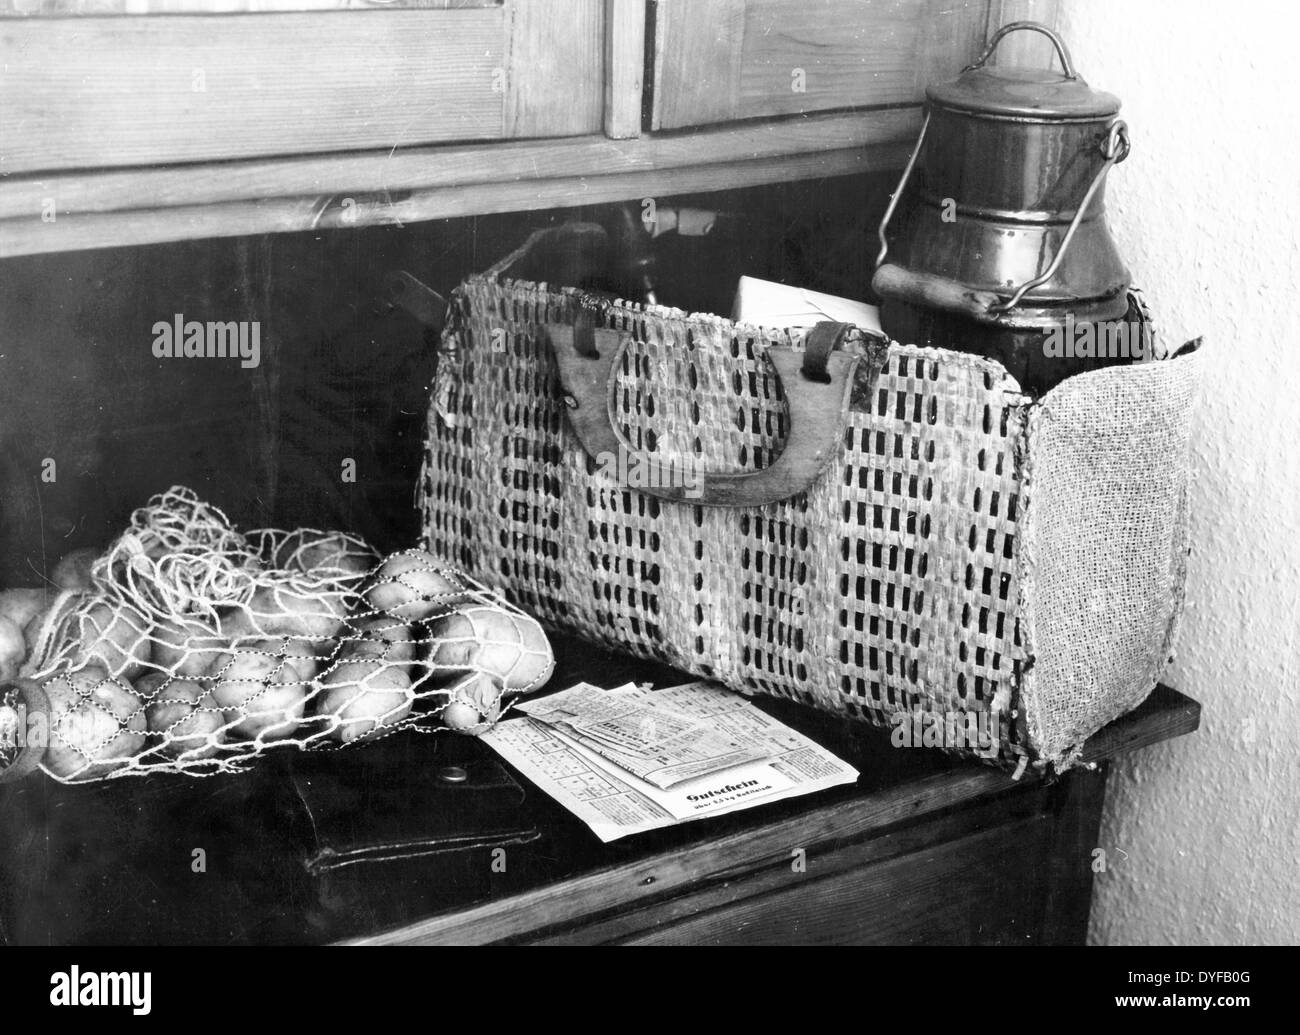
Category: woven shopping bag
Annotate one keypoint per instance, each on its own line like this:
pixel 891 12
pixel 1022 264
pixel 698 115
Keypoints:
pixel 887 532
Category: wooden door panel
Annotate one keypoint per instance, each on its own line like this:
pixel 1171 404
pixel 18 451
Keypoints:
pixel 718 60
pixel 976 890
pixel 90 92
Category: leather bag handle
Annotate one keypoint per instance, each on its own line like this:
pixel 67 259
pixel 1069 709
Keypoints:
pixel 817 385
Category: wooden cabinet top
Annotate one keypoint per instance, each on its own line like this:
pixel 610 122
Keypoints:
pixel 369 845
pixel 120 128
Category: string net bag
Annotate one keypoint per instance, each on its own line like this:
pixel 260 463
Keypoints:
pixel 198 648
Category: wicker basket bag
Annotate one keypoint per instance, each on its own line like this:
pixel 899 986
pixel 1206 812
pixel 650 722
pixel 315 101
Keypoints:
pixel 887 532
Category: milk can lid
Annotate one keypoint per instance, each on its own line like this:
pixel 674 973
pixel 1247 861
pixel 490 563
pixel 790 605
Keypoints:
pixel 1039 93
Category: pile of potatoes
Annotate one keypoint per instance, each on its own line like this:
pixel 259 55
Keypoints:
pixel 329 646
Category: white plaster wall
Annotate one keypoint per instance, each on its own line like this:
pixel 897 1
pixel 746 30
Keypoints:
pixel 1203 833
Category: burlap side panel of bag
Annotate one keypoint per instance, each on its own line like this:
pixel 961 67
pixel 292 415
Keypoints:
pixel 1105 545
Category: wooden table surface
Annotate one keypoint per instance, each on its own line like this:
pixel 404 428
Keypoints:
pixel 374 844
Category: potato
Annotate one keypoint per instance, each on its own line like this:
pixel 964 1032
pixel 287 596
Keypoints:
pixel 13 649
pixel 325 552
pixel 96 723
pixel 383 637
pixel 509 646
pixel 301 655
pixel 73 570
pixel 236 624
pixel 409 586
pixel 60 606
pixel 148 685
pixel 475 704
pixel 299 610
pixel 20 606
pixel 186 647
pixel 461 718
pixel 253 660
pixel 114 637
pixel 261 690
pixel 187 716
pixel 237 627
pixel 365 695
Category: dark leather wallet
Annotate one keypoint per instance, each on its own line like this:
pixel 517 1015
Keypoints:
pixel 408 827
pixel 406 796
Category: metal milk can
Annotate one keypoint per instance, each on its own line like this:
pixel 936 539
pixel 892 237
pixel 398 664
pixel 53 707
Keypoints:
pixel 1004 237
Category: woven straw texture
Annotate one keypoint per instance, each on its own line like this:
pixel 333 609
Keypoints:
pixel 909 579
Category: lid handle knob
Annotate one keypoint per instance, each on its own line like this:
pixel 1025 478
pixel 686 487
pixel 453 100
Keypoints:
pixel 1067 66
